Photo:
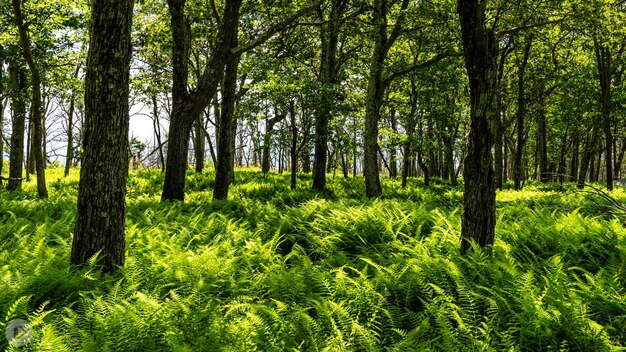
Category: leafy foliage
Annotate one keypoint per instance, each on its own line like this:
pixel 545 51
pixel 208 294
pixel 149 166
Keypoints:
pixel 279 270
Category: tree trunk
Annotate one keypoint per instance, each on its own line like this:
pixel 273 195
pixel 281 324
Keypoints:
pixel 157 131
pixel 329 37
pixel 17 91
pixel 521 110
pixel 542 146
pixel 603 59
pixel 294 144
pixel 198 147
pixel 375 92
pixel 228 126
pixel 187 106
pixel 479 197
pixel 575 156
pixel 588 154
pixel 102 187
pixel 393 153
pixel 69 154
pixel 37 106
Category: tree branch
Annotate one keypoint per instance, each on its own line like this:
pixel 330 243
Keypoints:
pixel 263 37
pixel 421 65
pixel 516 30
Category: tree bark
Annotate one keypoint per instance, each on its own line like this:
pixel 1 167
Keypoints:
pixel 17 91
pixel 70 129
pixel 228 126
pixel 37 106
pixel 99 225
pixel 199 146
pixel 588 153
pixel 329 36
pixel 603 60
pixel 479 197
pixel 521 111
pixel 187 106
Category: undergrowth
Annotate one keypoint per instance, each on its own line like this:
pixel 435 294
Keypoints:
pixel 272 269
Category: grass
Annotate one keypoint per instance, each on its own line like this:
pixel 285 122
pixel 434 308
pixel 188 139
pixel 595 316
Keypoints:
pixel 277 270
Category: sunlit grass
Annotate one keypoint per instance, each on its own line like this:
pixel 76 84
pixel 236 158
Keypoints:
pixel 276 270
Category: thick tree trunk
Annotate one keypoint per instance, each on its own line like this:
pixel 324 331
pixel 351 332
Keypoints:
pixel 479 197
pixel 102 188
pixel 17 91
pixel 521 110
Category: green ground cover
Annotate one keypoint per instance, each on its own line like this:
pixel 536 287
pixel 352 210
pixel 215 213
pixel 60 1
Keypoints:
pixel 278 270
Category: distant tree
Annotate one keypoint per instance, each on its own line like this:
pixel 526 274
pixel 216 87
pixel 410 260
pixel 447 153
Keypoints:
pixel 99 225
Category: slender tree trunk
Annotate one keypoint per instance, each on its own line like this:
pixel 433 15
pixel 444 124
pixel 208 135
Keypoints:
pixel 199 146
pixel 603 59
pixel 157 131
pixel 479 198
pixel 30 150
pixel 542 144
pixel 588 153
pixel 17 91
pixel 187 106
pixel 329 36
pixel 375 92
pixel 102 189
pixel 267 142
pixel 393 153
pixel 518 167
pixel 228 125
pixel 619 159
pixel 575 156
pixel 37 106
pixel 69 154
pixel 294 143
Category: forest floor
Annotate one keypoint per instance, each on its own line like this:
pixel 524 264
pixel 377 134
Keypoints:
pixel 278 270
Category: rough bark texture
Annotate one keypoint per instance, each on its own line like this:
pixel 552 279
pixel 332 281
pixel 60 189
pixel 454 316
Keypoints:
pixel 329 36
pixel 479 197
pixel 102 187
pixel 17 91
pixel 37 105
